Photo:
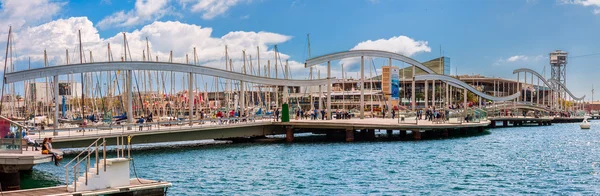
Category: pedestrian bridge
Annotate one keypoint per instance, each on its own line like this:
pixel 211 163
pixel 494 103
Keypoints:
pixel 519 105
pixel 58 70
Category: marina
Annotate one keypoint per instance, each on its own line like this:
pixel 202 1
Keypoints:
pixel 164 107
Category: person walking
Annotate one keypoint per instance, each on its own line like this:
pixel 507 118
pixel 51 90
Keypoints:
pixel 277 115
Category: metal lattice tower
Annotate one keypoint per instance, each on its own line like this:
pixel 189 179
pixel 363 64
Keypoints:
pixel 558 66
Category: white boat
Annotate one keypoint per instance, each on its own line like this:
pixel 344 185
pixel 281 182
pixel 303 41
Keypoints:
pixel 585 124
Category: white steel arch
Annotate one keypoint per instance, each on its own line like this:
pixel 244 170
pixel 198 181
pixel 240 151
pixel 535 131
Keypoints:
pixel 154 66
pixel 547 83
pixel 466 86
pixel 371 53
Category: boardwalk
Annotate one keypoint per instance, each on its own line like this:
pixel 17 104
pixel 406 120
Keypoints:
pixel 215 129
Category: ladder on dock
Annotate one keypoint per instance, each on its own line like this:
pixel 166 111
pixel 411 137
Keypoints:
pixel 90 179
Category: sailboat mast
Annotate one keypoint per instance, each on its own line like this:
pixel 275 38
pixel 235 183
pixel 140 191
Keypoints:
pixel 4 73
pixel 82 80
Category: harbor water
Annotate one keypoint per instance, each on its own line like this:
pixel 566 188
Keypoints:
pixel 557 159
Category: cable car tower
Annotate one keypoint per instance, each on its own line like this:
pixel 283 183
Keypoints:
pixel 558 66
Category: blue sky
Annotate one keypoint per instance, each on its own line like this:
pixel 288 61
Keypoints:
pixel 490 38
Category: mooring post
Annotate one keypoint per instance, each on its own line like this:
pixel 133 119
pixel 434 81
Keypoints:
pixel 416 134
pixel 349 135
pixel 289 134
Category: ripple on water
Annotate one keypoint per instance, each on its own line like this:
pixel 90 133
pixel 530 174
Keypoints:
pixel 559 159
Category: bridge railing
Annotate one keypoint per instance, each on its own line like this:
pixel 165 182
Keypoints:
pixel 121 128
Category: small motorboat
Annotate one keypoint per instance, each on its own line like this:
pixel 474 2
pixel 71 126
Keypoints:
pixel 585 124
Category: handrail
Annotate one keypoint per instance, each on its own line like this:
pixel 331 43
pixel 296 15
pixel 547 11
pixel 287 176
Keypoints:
pixel 182 123
pixel 91 149
pixel 83 151
pixel 13 122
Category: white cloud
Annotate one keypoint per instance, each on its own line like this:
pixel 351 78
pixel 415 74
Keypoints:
pixel 400 44
pixel 145 10
pixel 517 58
pixel 210 8
pixel 60 35
pixel 19 13
pixel 583 2
pixel 586 3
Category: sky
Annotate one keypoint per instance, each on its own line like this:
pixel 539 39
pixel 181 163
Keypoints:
pixel 490 38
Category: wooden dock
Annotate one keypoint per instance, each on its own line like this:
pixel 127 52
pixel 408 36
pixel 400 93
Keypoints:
pixel 25 160
pixel 516 121
pixel 137 187
pixel 567 119
pixel 365 128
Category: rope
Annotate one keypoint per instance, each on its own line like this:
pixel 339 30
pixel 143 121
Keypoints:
pixel 135 172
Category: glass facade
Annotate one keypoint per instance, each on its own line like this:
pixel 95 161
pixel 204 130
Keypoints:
pixel 447 66
pixel 439 65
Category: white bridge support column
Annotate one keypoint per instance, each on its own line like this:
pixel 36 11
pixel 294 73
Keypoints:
pixel 537 92
pixel 56 101
pixel 532 89
pixel 412 97
pixel 519 86
pixel 191 97
pixel 518 90
pixel 447 100
pixel 320 92
pixel 465 101
pixel 242 98
pixel 328 113
pixel 495 92
pixel 362 87
pixel 426 82
pixel 433 93
pixel 129 91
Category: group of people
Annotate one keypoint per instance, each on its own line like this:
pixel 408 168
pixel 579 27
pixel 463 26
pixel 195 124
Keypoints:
pixel 30 141
pixel 431 114
pixel 313 114
pixel 342 114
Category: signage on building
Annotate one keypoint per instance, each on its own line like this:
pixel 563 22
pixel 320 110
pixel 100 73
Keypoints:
pixel 395 83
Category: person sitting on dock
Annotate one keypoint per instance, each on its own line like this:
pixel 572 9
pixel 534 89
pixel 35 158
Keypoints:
pixel 47 149
pixel 31 141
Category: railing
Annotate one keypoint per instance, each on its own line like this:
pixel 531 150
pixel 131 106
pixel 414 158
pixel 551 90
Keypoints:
pixel 111 129
pixel 85 156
